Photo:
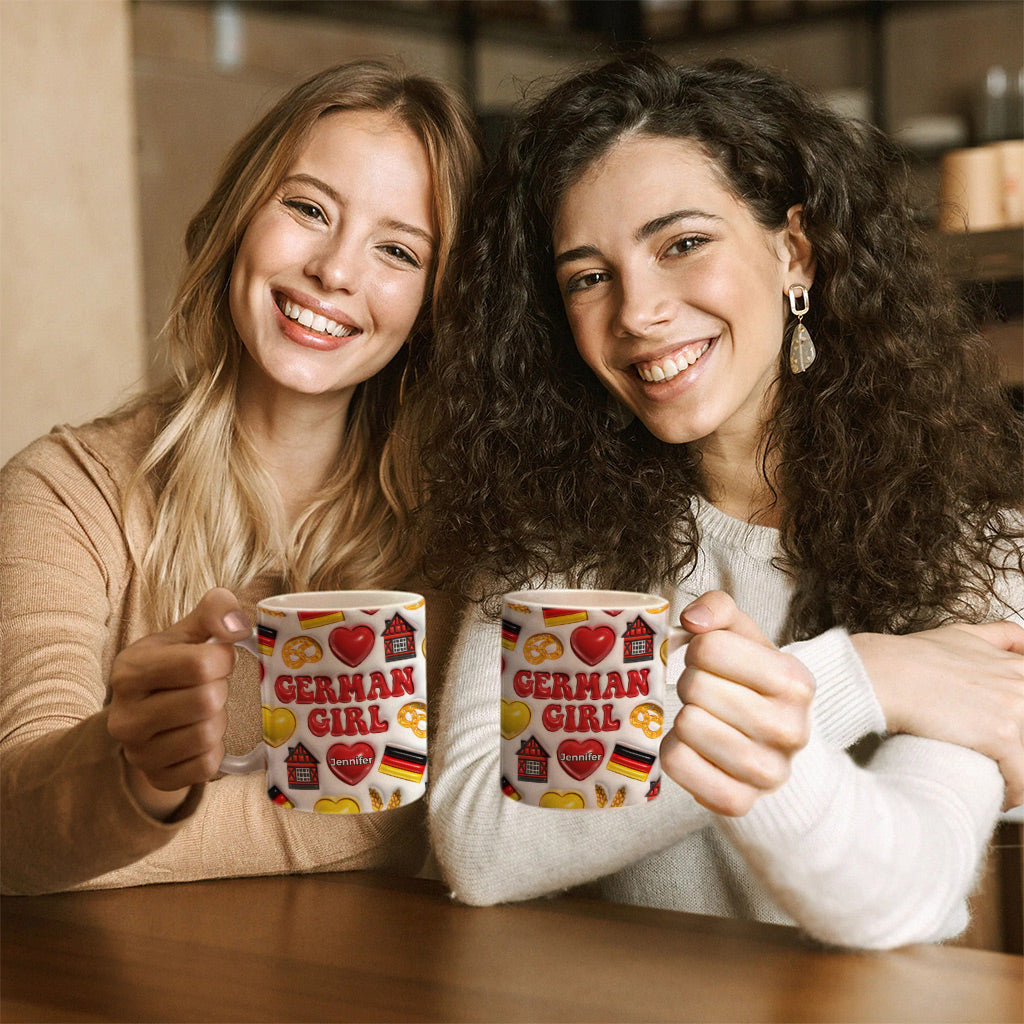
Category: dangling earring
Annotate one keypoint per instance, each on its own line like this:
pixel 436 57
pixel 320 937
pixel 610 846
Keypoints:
pixel 801 350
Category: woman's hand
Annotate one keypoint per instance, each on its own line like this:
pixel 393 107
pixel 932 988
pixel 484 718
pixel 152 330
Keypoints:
pixel 167 702
pixel 746 710
pixel 960 683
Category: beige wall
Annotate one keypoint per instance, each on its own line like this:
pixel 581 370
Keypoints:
pixel 71 343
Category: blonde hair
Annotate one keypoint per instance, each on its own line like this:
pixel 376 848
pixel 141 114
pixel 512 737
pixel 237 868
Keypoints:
pixel 218 519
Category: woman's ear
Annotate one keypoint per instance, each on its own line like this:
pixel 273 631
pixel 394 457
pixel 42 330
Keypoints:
pixel 801 255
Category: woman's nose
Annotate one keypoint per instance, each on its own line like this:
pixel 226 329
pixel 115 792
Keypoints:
pixel 644 305
pixel 336 264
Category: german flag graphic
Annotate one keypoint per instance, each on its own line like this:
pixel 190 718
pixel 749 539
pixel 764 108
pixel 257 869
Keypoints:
pixel 563 616
pixel 509 634
pixel 265 639
pixel 278 797
pixel 310 620
pixel 631 762
pixel 403 764
pixel 509 790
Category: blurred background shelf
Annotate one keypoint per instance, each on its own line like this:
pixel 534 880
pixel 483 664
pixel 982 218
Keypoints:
pixel 990 267
pixel 987 256
pixel 593 27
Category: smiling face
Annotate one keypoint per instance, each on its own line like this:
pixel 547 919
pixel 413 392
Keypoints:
pixel 676 300
pixel 332 270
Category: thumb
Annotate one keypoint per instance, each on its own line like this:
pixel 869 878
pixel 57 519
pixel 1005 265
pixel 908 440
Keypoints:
pixel 717 610
pixel 218 616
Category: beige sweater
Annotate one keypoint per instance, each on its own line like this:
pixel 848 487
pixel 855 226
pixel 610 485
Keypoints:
pixel 70 600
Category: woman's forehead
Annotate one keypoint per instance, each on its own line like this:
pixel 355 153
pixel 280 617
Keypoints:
pixel 641 173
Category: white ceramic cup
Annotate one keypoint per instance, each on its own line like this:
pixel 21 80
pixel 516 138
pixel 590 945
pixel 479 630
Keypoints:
pixel 582 696
pixel 343 680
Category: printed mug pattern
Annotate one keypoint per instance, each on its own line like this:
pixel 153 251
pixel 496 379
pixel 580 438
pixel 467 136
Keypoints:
pixel 581 708
pixel 344 707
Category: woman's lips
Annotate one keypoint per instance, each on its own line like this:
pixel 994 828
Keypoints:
pixel 314 321
pixel 668 366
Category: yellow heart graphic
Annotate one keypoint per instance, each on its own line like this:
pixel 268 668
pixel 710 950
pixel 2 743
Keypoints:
pixel 278 725
pixel 515 717
pixel 565 799
pixel 343 805
pixel 664 652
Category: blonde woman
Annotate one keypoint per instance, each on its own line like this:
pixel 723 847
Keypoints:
pixel 272 460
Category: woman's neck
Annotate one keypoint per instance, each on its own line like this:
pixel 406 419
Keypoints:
pixel 734 474
pixel 297 437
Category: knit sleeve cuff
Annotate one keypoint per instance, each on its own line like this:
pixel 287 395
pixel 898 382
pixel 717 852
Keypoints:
pixel 845 706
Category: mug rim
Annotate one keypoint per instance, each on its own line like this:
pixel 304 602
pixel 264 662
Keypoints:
pixel 338 600
pixel 585 598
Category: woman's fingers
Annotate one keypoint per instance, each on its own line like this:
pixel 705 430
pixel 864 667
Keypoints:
pixel 959 683
pixel 763 766
pixel 764 669
pixel 148 667
pixel 169 690
pixel 716 610
pixel 746 709
pixel 218 616
pixel 174 746
pixel 775 721
pixel 1007 636
pixel 706 781
pixel 200 765
pixel 138 722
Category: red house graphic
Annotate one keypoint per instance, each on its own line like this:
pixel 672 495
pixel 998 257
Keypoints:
pixel 638 641
pixel 303 772
pixel 399 640
pixel 533 761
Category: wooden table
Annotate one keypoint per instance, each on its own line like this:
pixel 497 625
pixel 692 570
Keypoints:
pixel 366 947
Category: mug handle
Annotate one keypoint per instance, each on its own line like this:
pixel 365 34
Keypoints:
pixel 256 759
pixel 678 637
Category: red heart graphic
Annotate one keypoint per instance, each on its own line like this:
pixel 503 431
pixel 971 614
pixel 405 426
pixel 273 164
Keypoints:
pixel 592 644
pixel 351 645
pixel 580 759
pixel 351 762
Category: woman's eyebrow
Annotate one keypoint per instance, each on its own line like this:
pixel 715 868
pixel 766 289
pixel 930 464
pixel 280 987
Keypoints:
pixel 409 229
pixel 642 234
pixel 581 252
pixel 652 227
pixel 322 186
pixel 338 200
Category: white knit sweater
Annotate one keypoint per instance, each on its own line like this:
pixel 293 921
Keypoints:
pixel 872 857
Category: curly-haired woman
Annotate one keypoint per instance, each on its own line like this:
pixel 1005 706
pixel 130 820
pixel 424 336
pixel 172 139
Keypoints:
pixel 273 460
pixel 699 346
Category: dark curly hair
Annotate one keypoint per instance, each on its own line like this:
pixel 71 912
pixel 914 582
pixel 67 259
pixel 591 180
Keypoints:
pixel 898 455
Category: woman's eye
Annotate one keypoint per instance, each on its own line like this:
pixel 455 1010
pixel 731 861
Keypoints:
pixel 398 252
pixel 682 246
pixel 586 281
pixel 308 210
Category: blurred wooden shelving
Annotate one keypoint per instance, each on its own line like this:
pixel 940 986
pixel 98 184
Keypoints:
pixel 990 266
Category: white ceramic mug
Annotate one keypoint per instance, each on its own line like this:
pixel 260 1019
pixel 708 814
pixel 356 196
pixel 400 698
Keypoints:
pixel 582 696
pixel 343 680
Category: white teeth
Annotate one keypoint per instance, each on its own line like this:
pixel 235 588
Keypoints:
pixel 314 321
pixel 669 367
